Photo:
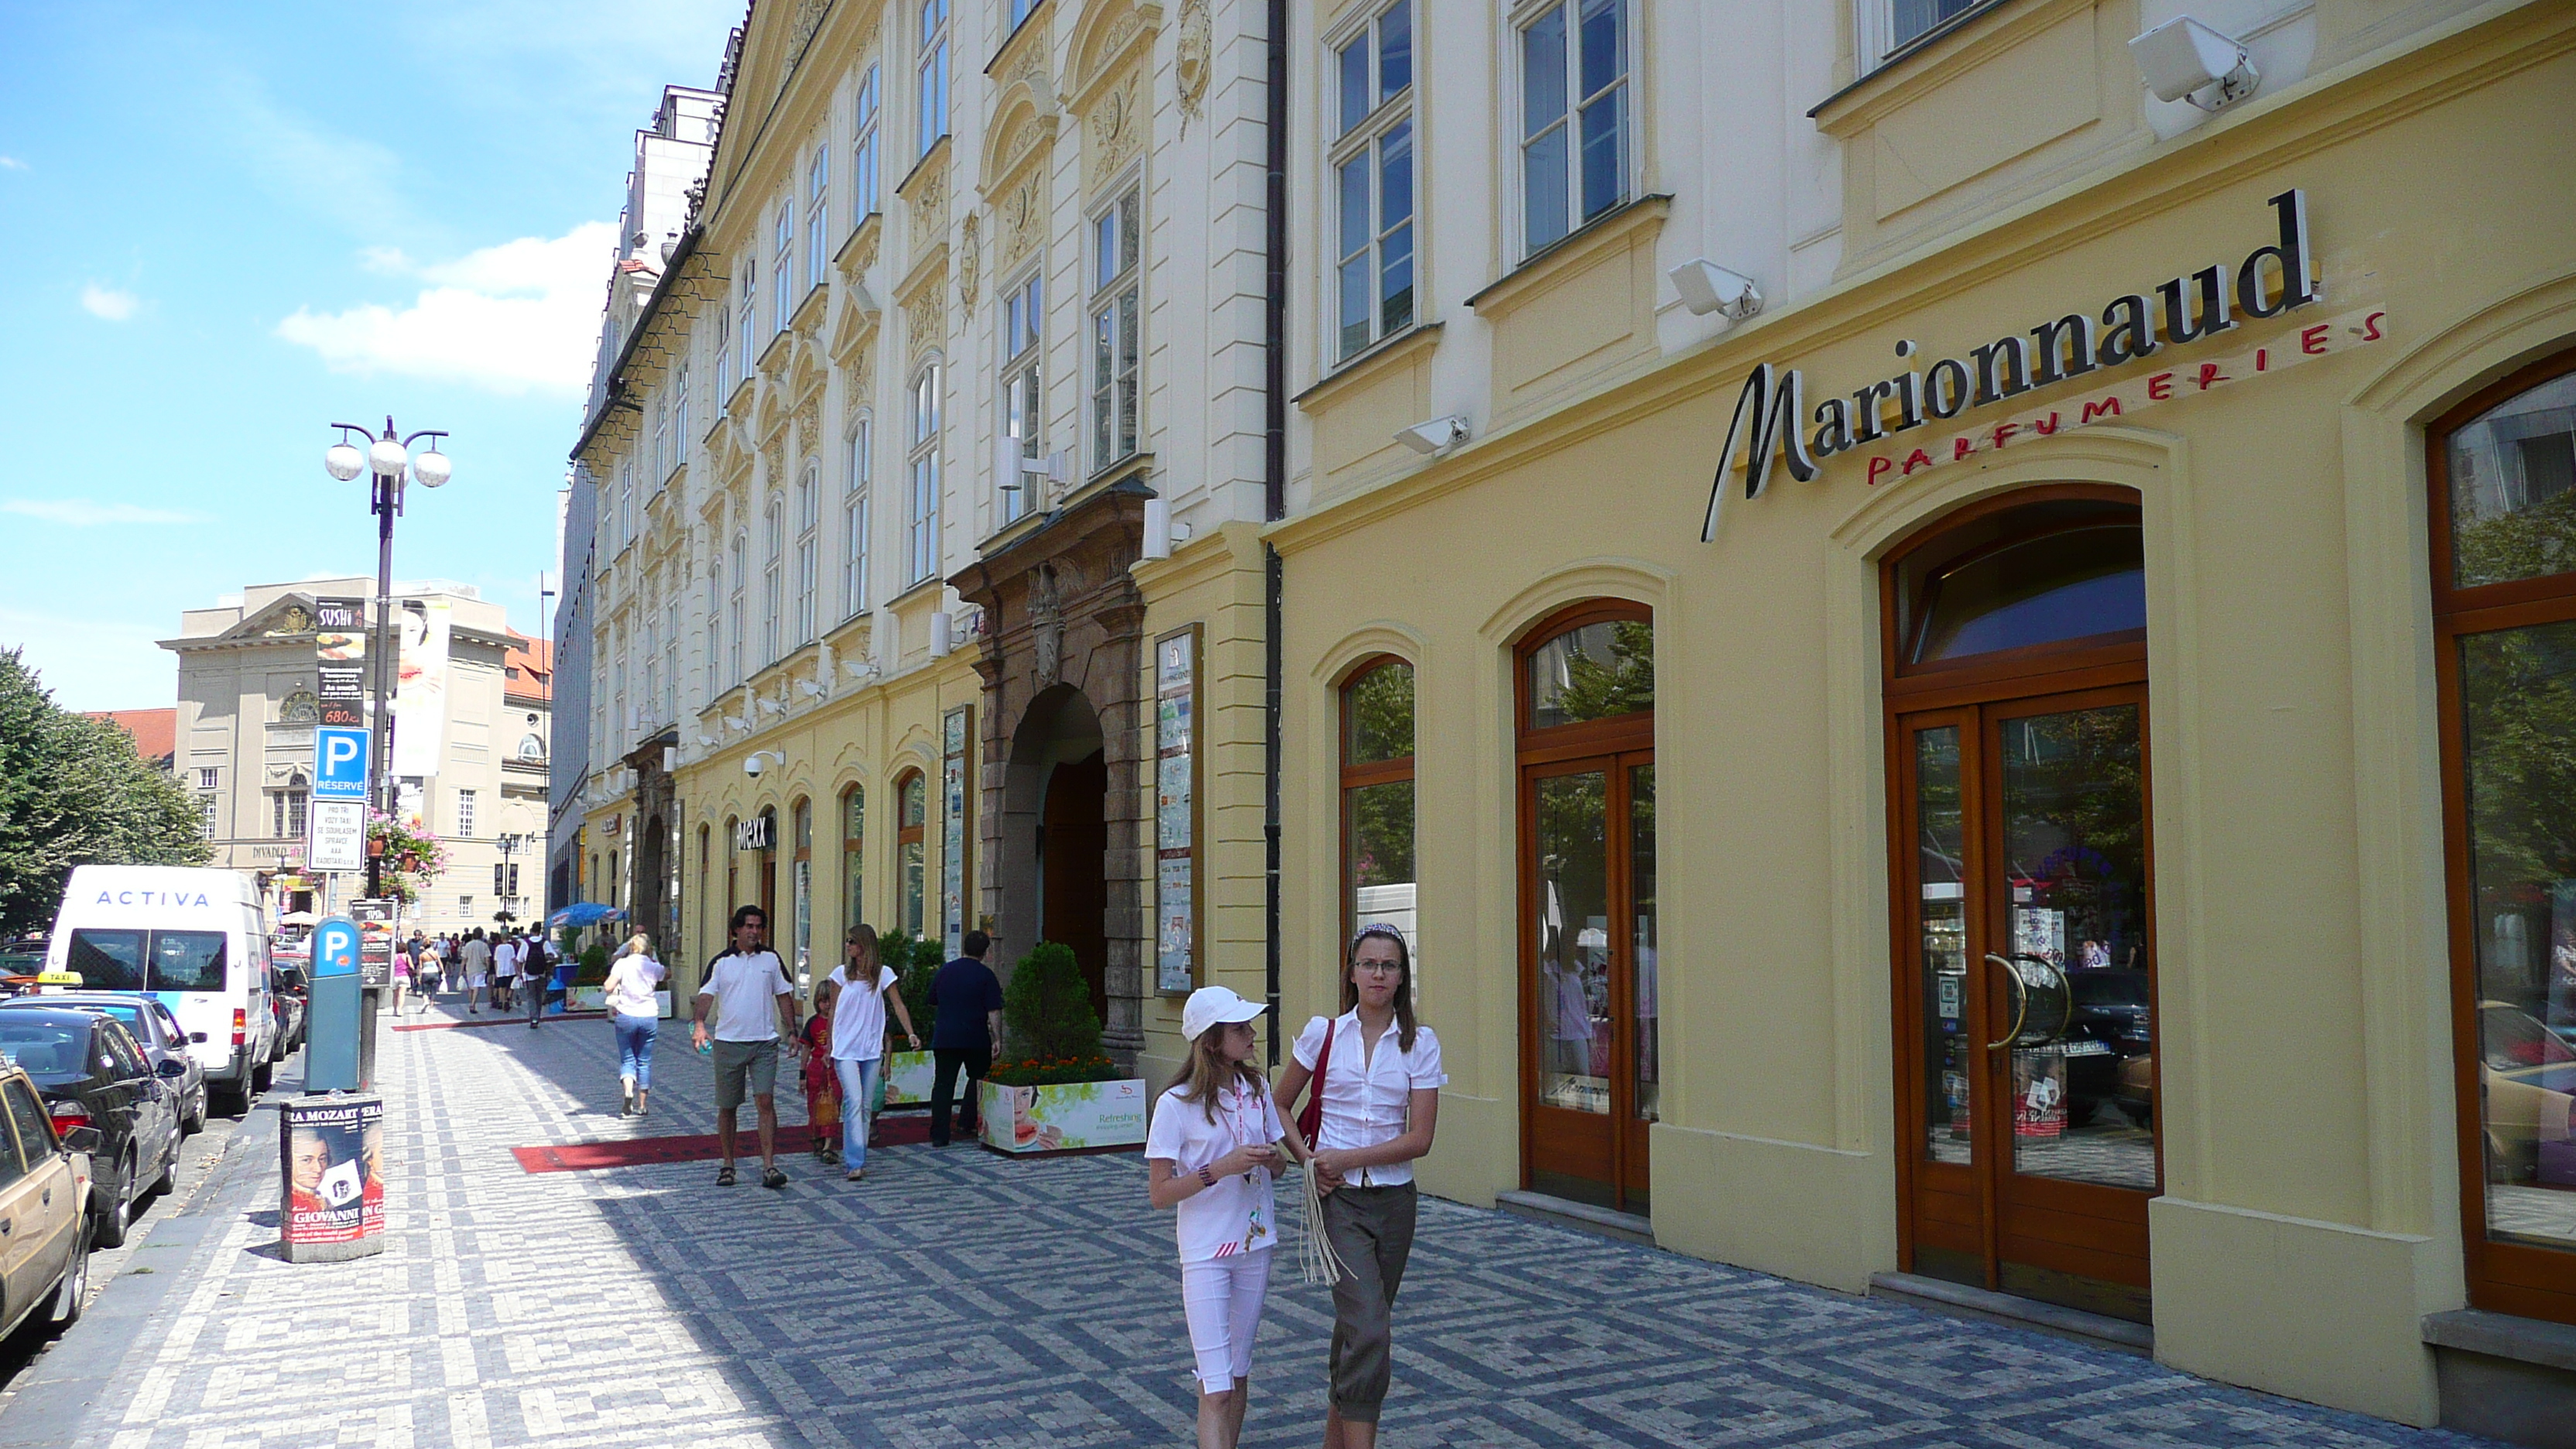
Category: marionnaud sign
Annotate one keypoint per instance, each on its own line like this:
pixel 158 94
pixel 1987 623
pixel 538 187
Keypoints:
pixel 2272 280
pixel 339 764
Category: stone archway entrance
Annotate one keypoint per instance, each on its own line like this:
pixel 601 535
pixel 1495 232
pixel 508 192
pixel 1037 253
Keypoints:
pixel 1055 836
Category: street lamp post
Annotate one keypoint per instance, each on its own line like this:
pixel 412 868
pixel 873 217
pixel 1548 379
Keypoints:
pixel 389 459
pixel 504 882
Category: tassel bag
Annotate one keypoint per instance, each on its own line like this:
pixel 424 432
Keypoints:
pixel 1316 1261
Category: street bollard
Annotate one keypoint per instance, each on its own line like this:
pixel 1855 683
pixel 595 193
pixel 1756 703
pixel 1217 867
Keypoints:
pixel 331 1155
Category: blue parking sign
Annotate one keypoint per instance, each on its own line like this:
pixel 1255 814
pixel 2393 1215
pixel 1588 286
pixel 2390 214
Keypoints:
pixel 339 764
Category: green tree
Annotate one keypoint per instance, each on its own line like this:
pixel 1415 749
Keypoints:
pixel 73 792
pixel 1047 1006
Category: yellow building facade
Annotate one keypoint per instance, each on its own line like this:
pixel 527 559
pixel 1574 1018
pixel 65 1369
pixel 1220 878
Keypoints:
pixel 2016 843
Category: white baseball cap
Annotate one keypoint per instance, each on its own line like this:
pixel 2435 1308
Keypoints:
pixel 1211 1005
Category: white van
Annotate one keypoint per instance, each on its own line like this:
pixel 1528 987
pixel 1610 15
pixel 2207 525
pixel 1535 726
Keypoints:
pixel 195 938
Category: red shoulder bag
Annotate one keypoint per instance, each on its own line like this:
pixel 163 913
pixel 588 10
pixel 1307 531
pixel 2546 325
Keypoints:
pixel 1310 1118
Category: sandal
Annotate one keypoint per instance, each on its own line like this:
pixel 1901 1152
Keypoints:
pixel 855 1174
pixel 771 1177
pixel 724 1175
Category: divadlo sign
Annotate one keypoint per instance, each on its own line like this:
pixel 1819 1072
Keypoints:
pixel 2272 280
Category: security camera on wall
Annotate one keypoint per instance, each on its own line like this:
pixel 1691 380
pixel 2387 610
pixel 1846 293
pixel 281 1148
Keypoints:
pixel 1707 288
pixel 1437 435
pixel 751 765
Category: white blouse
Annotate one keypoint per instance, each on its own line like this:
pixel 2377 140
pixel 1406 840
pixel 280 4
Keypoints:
pixel 1367 1094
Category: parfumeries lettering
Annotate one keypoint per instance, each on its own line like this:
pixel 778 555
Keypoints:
pixel 2272 280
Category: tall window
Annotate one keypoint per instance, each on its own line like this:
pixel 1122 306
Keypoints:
pixel 715 629
pixel 207 816
pixel 922 502
pixel 465 814
pixel 741 575
pixel 809 515
pixel 724 357
pixel 749 305
pixel 855 541
pixel 680 405
pixel 931 73
pixel 626 501
pixel 671 657
pixel 286 808
pixel 863 152
pixel 2503 472
pixel 912 813
pixel 1575 120
pixel 782 264
pixel 1373 180
pixel 1023 315
pixel 708 910
pixel 818 215
pixel 854 835
pixel 773 568
pixel 1116 237
pixel 801 910
pixel 1377 797
pixel 651 699
pixel 660 463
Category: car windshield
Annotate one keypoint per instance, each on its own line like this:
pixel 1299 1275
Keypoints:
pixel 51 1051
pixel 139 960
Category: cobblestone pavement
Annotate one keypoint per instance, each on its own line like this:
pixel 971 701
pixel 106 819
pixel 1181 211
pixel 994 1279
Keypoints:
pixel 959 1298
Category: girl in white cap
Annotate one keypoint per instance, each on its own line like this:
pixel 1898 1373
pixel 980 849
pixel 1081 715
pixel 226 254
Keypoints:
pixel 1212 1149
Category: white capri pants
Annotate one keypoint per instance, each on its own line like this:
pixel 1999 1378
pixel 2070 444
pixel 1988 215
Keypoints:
pixel 1222 1298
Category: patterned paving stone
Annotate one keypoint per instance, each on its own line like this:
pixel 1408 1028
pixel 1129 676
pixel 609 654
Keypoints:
pixel 957 1298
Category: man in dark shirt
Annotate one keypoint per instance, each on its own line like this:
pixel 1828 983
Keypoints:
pixel 966 1033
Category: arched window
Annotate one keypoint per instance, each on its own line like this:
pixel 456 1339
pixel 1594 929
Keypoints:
pixel 773 567
pixel 801 906
pixel 299 707
pixel 1585 687
pixel 922 478
pixel 912 814
pixel 2502 469
pixel 854 837
pixel 532 747
pixel 2020 584
pixel 1377 798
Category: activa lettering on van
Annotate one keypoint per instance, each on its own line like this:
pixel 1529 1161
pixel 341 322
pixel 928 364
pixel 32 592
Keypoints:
pixel 154 898
pixel 2272 280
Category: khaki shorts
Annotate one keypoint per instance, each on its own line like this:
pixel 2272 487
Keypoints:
pixel 741 1061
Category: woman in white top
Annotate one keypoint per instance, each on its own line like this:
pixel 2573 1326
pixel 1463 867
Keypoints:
pixel 1210 1154
pixel 859 991
pixel 637 1017
pixel 1380 1089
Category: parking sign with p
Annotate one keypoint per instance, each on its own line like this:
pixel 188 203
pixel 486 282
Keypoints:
pixel 339 764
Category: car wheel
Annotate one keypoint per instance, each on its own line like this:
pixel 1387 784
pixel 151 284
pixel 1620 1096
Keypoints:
pixel 70 1295
pixel 198 1104
pixel 229 1099
pixel 260 1079
pixel 116 1217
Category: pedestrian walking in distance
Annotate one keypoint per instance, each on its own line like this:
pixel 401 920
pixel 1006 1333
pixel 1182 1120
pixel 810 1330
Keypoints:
pixel 505 971
pixel 965 1033
pixel 859 991
pixel 1210 1154
pixel 755 1011
pixel 478 969
pixel 536 975
pixel 637 1018
pixel 1380 1103
pixel 406 966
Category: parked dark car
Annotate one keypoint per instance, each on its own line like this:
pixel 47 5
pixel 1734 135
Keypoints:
pixel 21 961
pixel 93 1075
pixel 2109 1022
pixel 292 997
pixel 44 1190
pixel 156 1029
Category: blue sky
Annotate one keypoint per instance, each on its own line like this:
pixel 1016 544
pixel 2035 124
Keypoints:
pixel 224 227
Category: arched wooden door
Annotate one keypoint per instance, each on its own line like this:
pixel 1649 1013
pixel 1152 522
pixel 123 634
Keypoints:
pixel 2015 636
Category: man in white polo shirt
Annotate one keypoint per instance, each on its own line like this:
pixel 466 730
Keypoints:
pixel 505 971
pixel 755 1009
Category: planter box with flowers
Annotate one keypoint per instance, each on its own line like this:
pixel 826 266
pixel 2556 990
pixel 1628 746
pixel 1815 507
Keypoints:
pixel 1057 1091
pixel 908 1074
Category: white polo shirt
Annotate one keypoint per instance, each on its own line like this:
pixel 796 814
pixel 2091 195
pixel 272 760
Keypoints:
pixel 746 988
pixel 1367 1094
pixel 1235 1216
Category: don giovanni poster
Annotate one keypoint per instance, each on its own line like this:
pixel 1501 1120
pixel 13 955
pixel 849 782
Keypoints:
pixel 335 1190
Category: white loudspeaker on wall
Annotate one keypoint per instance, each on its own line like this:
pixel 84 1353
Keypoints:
pixel 939 627
pixel 1158 527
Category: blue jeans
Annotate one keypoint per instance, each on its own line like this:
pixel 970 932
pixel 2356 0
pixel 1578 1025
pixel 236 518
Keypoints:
pixel 858 1091
pixel 635 1048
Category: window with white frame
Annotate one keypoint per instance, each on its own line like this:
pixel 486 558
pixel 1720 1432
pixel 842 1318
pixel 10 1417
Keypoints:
pixel 1021 10
pixel 782 264
pixel 651 698
pixel 809 516
pixel 863 152
pixel 715 631
pixel 465 814
pixel 1576 117
pixel 671 657
pixel 619 722
pixel 741 576
pixel 1910 20
pixel 748 317
pixel 773 583
pixel 626 501
pixel 207 816
pixel 922 504
pixel 206 776
pixel 1116 308
pixel 854 517
pixel 1373 248
pixel 724 357
pixel 818 215
pixel 1023 328
pixel 931 73
pixel 661 460
pixel 286 809
pixel 680 405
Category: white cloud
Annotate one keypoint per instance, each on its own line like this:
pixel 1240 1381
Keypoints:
pixel 82 513
pixel 512 318
pixel 12 163
pixel 108 303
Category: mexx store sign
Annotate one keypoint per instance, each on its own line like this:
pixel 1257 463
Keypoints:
pixel 1772 423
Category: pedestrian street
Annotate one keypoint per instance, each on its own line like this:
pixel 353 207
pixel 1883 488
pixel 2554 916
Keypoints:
pixel 962 1298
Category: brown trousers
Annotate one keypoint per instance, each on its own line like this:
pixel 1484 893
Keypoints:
pixel 1371 1230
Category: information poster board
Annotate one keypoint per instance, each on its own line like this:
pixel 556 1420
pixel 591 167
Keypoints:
pixel 375 942
pixel 340 660
pixel 333 1165
pixel 338 839
pixel 956 737
pixel 1176 824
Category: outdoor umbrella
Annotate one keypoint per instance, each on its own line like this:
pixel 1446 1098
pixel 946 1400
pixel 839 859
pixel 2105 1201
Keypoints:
pixel 584 913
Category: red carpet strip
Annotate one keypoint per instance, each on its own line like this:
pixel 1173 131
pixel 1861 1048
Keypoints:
pixel 501 1020
pixel 647 1151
